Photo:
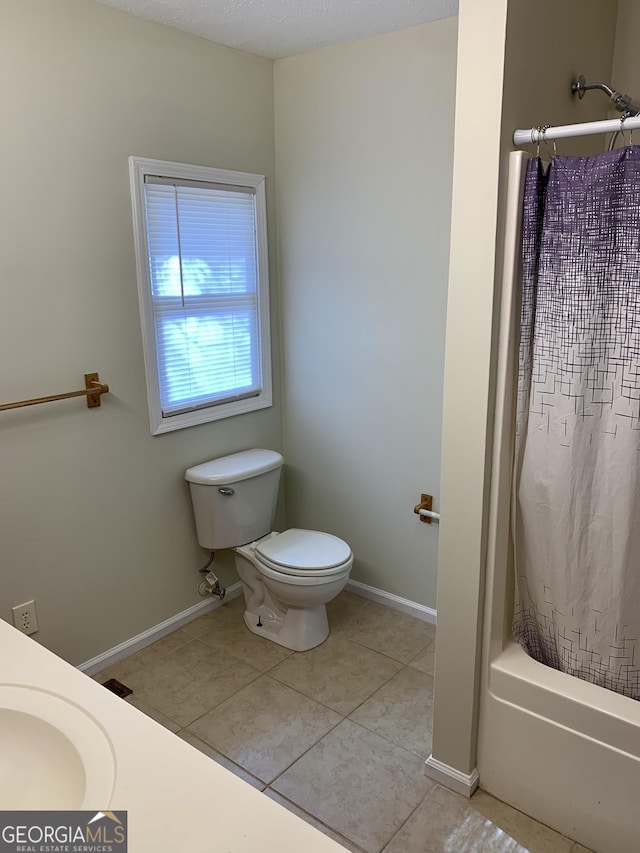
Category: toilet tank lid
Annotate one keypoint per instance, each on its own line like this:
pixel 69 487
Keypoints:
pixel 234 468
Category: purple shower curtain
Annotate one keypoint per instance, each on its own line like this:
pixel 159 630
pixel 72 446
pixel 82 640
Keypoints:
pixel 577 463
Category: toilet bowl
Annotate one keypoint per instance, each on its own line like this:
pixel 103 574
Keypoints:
pixel 287 577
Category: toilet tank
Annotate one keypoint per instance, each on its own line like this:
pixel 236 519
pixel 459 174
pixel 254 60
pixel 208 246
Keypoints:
pixel 234 497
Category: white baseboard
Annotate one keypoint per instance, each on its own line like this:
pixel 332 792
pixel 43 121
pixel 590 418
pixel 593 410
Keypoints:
pixel 140 641
pixel 149 636
pixel 455 780
pixel 420 611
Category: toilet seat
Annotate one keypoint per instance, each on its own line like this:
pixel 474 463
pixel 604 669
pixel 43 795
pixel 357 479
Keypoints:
pixel 307 553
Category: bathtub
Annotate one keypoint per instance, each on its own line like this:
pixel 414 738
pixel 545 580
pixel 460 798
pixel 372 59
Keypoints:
pixel 560 749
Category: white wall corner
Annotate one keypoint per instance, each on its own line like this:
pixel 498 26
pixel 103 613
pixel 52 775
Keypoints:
pixel 455 780
pixel 141 641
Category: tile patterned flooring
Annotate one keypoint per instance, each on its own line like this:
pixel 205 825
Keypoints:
pixel 338 735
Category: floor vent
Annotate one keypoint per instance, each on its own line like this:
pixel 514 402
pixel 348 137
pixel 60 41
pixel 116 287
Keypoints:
pixel 117 687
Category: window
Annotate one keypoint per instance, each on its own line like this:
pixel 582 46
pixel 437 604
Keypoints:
pixel 201 253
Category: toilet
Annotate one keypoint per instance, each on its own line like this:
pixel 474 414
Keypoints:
pixel 287 577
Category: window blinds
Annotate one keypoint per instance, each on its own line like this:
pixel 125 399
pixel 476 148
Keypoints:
pixel 204 287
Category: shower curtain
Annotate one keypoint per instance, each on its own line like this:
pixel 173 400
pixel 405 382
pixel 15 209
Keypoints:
pixel 577 464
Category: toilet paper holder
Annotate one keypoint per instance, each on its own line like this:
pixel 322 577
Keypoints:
pixel 425 509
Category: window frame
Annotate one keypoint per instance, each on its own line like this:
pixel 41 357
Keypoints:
pixel 139 168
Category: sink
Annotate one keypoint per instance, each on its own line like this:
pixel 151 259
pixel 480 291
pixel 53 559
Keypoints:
pixel 53 754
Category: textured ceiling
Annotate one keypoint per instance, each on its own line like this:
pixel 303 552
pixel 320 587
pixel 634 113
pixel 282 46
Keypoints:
pixel 277 28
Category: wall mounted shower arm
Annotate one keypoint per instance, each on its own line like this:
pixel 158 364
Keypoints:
pixel 622 103
pixel 580 86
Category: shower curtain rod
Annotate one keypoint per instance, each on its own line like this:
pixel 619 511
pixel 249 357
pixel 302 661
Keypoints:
pixel 565 131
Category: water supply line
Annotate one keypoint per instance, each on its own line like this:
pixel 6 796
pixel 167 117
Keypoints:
pixel 210 585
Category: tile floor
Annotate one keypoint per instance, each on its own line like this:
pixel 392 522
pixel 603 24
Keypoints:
pixel 338 735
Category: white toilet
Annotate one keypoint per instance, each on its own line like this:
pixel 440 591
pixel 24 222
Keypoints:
pixel 288 577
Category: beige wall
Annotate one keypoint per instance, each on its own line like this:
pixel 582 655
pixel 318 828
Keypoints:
pixel 364 155
pixel 626 61
pixel 95 519
pixel 578 37
pixel 516 63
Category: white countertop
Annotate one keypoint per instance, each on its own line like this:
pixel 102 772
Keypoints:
pixel 176 798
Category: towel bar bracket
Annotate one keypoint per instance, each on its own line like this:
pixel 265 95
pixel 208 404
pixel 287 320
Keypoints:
pixel 425 509
pixel 91 380
pixel 426 502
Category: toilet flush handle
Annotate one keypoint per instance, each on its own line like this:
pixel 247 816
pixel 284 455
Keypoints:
pixel 227 491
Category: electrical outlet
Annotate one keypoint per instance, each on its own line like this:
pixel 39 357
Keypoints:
pixel 25 617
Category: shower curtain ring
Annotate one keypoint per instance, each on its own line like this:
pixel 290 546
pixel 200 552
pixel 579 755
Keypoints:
pixel 623 118
pixel 544 130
